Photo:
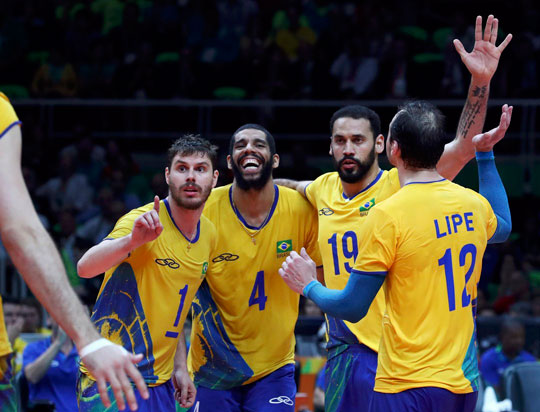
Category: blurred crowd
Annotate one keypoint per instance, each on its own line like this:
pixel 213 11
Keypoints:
pixel 234 49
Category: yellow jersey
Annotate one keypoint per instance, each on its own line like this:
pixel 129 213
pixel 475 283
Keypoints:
pixel 8 119
pixel 143 301
pixel 429 239
pixel 340 222
pixel 244 314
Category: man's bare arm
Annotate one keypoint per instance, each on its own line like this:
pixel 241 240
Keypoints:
pixel 482 63
pixel 299 185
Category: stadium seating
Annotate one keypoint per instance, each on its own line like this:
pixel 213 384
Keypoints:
pixel 521 383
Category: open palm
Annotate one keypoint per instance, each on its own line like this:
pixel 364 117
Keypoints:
pixel 482 62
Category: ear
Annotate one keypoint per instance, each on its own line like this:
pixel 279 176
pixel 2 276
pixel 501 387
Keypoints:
pixel 215 178
pixel 275 161
pixel 331 151
pixel 379 144
pixel 394 148
pixel 229 162
pixel 167 175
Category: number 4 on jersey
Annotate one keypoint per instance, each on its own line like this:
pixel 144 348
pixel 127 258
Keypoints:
pixel 258 296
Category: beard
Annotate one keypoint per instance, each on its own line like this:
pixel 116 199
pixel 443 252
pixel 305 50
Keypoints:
pixel 186 203
pixel 257 183
pixel 362 167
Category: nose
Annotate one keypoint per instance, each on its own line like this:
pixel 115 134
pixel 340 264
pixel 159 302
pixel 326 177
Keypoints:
pixel 349 148
pixel 190 175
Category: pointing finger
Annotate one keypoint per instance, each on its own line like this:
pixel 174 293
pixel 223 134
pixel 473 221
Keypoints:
pixel 156 203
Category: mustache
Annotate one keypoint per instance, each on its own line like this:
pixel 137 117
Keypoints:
pixel 256 156
pixel 352 158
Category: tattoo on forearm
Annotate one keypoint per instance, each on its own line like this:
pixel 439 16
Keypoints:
pixel 471 110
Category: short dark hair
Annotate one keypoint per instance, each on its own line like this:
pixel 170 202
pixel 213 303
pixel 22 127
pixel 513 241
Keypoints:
pixel 269 138
pixel 510 324
pixel 190 144
pixel 418 128
pixel 358 112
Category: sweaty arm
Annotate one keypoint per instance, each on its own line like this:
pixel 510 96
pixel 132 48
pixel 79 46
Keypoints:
pixel 492 188
pixel 103 256
pixel 298 185
pixel 351 303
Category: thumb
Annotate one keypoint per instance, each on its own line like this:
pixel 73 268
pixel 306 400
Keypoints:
pixel 305 255
pixel 136 358
pixel 459 47
pixel 156 203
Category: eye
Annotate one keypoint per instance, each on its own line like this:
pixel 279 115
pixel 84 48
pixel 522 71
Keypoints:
pixel 181 168
pixel 201 169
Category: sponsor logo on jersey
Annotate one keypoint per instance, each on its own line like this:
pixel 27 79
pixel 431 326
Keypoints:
pixel 283 248
pixel 225 257
pixel 364 209
pixel 326 211
pixel 282 399
pixel 168 262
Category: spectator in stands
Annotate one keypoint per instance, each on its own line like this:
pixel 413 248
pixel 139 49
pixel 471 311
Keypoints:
pixel 508 352
pixel 55 78
pixel 12 317
pixel 50 366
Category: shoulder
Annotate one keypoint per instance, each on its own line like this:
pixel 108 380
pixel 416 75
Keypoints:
pixel 217 197
pixel 8 117
pixel 292 200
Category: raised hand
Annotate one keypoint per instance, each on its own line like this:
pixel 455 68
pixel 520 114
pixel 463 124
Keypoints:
pixel 298 271
pixel 484 142
pixel 115 366
pixel 483 60
pixel 147 226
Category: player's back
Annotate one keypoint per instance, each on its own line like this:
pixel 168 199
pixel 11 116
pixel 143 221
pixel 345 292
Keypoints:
pixel 441 231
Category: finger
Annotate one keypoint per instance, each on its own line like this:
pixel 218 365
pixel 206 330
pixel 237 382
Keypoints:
pixel 505 42
pixel 294 254
pixel 117 390
pixel 510 109
pixel 183 394
pixel 155 218
pixel 282 273
pixel 149 221
pixel 158 229
pixel 156 203
pixel 136 377
pixel 460 48
pixel 103 393
pixel 127 390
pixel 192 395
pixel 141 222
pixel 478 29
pixel 494 31
pixel 487 31
pixel 305 255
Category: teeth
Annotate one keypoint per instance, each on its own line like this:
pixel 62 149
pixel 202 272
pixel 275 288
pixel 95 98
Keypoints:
pixel 250 162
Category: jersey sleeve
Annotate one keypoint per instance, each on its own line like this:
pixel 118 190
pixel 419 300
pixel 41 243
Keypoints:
pixel 8 117
pixel 312 231
pixel 310 190
pixel 377 250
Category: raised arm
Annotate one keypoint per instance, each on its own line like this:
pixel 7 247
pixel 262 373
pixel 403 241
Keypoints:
pixel 35 256
pixel 482 63
pixel 111 252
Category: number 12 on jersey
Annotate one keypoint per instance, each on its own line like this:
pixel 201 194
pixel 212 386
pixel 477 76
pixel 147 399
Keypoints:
pixel 446 261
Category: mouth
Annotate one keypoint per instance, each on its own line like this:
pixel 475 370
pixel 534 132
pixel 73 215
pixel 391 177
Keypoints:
pixel 348 164
pixel 191 190
pixel 250 163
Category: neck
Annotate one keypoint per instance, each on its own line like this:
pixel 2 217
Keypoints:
pixel 185 219
pixel 407 175
pixel 352 189
pixel 254 205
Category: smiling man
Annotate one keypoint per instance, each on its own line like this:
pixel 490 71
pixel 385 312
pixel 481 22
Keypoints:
pixel 155 259
pixel 242 342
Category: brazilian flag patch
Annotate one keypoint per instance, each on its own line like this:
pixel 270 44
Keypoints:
pixel 204 268
pixel 284 246
pixel 367 205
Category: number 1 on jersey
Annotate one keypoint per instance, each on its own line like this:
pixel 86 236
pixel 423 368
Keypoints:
pixel 258 296
pixel 182 292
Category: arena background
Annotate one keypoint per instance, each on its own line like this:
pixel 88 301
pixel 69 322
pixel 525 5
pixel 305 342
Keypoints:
pixel 103 87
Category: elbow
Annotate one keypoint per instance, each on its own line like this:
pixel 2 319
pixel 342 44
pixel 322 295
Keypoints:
pixel 30 377
pixel 82 269
pixel 355 316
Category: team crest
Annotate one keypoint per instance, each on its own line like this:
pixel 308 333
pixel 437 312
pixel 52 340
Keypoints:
pixel 204 269
pixel 364 209
pixel 283 247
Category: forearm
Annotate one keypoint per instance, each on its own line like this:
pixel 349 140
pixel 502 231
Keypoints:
pixel 351 303
pixel 461 150
pixel 298 185
pixel 36 370
pixel 36 258
pixel 180 356
pixel 492 188
pixel 104 256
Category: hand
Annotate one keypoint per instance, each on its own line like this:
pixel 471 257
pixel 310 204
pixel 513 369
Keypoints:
pixel 147 226
pixel 484 142
pixel 482 62
pixel 298 271
pixel 113 364
pixel 184 389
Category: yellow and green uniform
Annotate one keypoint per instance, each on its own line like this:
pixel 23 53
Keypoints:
pixel 429 239
pixel 340 220
pixel 244 314
pixel 143 301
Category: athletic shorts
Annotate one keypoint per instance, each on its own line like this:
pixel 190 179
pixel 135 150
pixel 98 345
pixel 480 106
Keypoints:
pixel 273 393
pixel 8 399
pixel 424 400
pixel 349 379
pixel 161 397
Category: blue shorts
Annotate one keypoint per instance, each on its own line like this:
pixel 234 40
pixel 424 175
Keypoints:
pixel 8 402
pixel 349 379
pixel 273 393
pixel 161 397
pixel 424 400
